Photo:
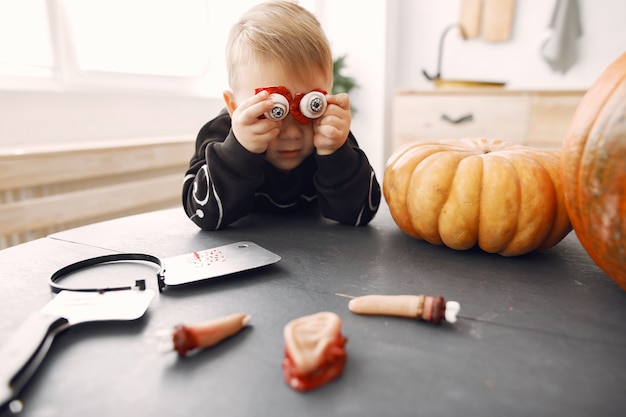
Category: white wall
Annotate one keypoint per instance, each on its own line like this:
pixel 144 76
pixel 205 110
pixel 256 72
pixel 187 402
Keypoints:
pixel 517 62
pixel 363 35
pixel 390 42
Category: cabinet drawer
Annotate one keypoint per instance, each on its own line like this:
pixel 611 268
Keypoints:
pixel 432 117
pixel 550 117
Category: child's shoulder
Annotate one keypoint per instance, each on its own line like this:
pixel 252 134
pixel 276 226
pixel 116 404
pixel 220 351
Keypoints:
pixel 220 124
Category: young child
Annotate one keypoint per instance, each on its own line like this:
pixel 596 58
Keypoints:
pixel 265 152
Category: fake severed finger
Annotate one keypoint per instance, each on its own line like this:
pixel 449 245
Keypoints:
pixel 185 338
pixel 423 307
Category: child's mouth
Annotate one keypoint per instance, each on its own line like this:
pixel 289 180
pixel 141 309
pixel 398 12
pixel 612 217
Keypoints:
pixel 289 154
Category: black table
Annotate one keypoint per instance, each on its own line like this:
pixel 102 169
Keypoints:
pixel 540 335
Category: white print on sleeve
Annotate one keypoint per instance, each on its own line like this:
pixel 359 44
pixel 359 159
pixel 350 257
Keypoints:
pixel 202 200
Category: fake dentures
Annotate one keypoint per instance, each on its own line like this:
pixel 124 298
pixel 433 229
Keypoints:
pixel 314 351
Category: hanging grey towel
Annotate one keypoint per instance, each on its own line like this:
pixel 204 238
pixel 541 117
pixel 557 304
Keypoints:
pixel 560 50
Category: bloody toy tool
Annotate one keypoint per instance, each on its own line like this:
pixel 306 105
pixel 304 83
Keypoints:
pixel 25 351
pixel 176 270
pixel 213 263
pixel 423 307
pixel 188 337
pixel 303 107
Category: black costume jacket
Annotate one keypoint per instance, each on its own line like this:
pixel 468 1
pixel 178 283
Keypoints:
pixel 225 181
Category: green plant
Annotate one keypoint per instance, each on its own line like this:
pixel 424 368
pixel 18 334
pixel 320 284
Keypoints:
pixel 342 83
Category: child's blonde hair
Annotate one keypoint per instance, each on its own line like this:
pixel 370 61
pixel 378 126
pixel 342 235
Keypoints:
pixel 282 33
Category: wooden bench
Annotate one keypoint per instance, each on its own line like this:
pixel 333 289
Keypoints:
pixel 47 189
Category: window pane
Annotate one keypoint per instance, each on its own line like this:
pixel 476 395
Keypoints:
pixel 25 47
pixel 160 37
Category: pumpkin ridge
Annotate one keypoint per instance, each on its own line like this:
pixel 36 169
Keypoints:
pixel 458 219
pixel 583 122
pixel 594 171
pixel 495 220
pixel 537 209
pixel 560 224
pixel 595 142
pixel 423 184
pixel 396 178
pixel 600 167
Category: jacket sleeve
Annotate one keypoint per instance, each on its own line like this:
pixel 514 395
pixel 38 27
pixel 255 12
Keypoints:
pixel 222 177
pixel 347 187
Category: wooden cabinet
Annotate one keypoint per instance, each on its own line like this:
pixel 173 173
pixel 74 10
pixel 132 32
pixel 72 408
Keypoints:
pixel 534 118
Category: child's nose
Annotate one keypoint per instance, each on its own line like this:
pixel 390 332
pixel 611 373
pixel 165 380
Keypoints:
pixel 290 129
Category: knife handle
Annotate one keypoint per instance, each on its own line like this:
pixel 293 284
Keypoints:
pixel 25 350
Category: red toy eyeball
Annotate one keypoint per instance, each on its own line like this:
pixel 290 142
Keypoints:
pixel 309 106
pixel 280 109
pixel 313 104
pixel 281 97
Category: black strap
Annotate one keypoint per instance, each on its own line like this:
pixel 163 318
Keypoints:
pixel 140 284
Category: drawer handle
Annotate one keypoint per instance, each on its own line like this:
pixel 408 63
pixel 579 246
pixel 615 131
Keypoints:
pixel 463 119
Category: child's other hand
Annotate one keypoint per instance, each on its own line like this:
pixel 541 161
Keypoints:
pixel 331 130
pixel 253 133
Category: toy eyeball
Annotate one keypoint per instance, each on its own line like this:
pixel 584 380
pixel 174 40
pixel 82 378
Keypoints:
pixel 313 104
pixel 280 109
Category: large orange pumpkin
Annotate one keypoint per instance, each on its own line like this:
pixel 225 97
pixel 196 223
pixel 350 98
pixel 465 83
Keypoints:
pixel 594 171
pixel 504 197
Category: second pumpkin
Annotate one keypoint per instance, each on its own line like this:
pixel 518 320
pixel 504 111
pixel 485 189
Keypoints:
pixel 504 197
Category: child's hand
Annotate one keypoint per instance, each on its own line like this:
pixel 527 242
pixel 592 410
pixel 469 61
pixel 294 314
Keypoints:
pixel 331 130
pixel 253 133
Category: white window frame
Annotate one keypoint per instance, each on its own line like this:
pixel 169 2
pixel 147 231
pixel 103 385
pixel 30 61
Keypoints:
pixel 67 76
